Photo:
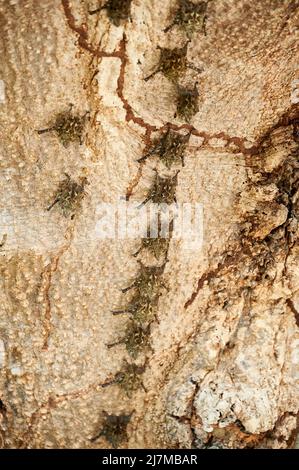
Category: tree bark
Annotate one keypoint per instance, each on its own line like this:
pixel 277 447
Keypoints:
pixel 223 357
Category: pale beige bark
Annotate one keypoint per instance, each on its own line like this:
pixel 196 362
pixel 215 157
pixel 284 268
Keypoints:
pixel 222 369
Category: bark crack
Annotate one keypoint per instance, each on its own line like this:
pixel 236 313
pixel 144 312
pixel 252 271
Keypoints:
pixel 46 277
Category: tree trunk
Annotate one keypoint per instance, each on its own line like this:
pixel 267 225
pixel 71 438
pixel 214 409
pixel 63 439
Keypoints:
pixel 219 364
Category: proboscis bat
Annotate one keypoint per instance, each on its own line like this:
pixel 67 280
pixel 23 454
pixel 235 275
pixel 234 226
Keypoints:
pixel 129 378
pixel 136 338
pixel 173 63
pixel 158 245
pixel 3 241
pixel 141 307
pixel 163 190
pixel 187 102
pixel 148 278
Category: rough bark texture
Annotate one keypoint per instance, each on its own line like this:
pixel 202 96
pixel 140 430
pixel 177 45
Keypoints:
pixel 221 371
